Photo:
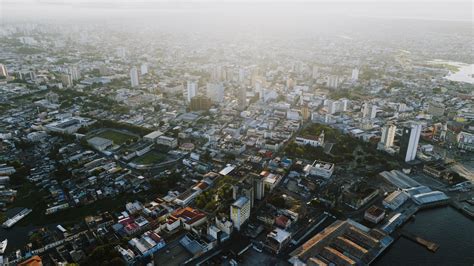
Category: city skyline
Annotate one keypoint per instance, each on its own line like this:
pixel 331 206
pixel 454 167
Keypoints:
pixel 236 133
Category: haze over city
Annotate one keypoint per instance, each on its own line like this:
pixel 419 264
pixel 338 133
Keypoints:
pixel 235 132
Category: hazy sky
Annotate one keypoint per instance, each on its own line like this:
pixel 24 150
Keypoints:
pixel 456 10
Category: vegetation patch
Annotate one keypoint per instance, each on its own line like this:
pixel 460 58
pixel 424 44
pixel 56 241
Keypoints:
pixel 117 137
pixel 151 157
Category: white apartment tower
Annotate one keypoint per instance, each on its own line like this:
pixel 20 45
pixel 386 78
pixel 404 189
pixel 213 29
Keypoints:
pixel 134 77
pixel 388 135
pixel 3 71
pixel 355 74
pixel 333 81
pixel 369 111
pixel 144 69
pixel 74 72
pixel 191 89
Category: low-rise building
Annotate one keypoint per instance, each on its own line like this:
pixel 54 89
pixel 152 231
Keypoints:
pixel 147 244
pixel 319 168
pixel 167 141
pixel 395 200
pixel 99 143
pixel 374 214
pixel 69 125
pixel 277 239
pixel 153 136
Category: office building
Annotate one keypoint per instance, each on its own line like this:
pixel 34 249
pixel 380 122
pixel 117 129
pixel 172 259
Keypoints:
pixel 409 142
pixel 134 77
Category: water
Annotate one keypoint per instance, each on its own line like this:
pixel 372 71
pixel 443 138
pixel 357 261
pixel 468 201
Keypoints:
pixel 464 74
pixel 17 237
pixel 453 231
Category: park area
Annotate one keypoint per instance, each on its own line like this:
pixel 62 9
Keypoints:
pixel 118 137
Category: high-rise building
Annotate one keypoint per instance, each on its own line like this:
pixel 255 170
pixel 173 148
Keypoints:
pixel 242 75
pixel 216 74
pixel 315 73
pixel 355 74
pixel 74 72
pixel 200 103
pixel 121 52
pixel 66 80
pixel 215 91
pixel 388 135
pixel 344 104
pixel 244 189
pixel 134 77
pixel 409 142
pixel 3 71
pixel 332 81
pixel 191 89
pixel 305 113
pixel 258 186
pixel 240 212
pixel 369 111
pixel 331 106
pixel 144 69
pixel 242 101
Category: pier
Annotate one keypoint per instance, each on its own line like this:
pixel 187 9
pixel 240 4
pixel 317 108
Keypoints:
pixel 431 246
pixel 15 219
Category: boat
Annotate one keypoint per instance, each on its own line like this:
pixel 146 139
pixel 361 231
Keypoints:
pixel 3 246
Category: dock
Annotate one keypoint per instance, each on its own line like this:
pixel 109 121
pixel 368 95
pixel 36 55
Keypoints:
pixel 15 219
pixel 431 246
pixel 463 208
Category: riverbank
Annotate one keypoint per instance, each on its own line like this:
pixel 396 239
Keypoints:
pixel 444 225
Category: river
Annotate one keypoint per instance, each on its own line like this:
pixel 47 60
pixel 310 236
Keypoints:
pixel 453 231
pixel 465 72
